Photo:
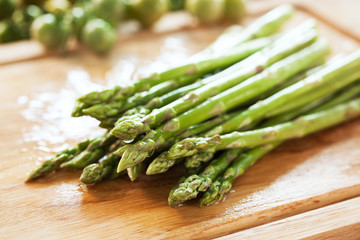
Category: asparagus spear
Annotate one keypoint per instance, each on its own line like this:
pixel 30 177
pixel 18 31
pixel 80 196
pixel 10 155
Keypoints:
pixel 223 102
pixel 264 26
pixel 318 93
pixel 55 162
pixel 196 159
pixel 222 185
pixel 189 172
pixel 96 150
pixel 220 60
pixel 279 49
pixel 135 171
pixel 194 184
pixel 96 172
pixel 162 163
pixel 347 94
pixel 294 129
pixel 331 73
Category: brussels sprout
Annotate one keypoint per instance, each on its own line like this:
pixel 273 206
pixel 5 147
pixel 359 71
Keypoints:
pixel 50 31
pixel 235 10
pixel 176 5
pixel 23 17
pixel 109 10
pixel 57 6
pixel 99 35
pixel 9 32
pixel 7 7
pixel 148 11
pixel 207 11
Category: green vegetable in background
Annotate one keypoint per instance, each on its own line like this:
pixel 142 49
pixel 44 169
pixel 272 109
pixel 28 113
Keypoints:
pixel 147 11
pixel 57 6
pixel 23 18
pixel 235 10
pixel 99 35
pixel 9 32
pixel 109 10
pixel 207 11
pixel 50 31
pixel 176 5
pixel 7 7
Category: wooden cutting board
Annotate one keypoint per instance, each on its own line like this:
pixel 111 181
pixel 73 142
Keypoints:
pixel 36 96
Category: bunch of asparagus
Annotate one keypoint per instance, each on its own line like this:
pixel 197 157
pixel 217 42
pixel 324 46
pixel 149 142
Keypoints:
pixel 219 112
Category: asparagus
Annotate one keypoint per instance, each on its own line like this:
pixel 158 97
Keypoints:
pixel 293 129
pixel 202 127
pixel 196 159
pixel 194 184
pixel 318 93
pixel 264 26
pixel 189 172
pixel 347 94
pixel 135 171
pixel 96 172
pixel 222 185
pixel 162 163
pixel 279 49
pixel 223 102
pixel 55 162
pixel 221 60
pixel 259 110
pixel 96 150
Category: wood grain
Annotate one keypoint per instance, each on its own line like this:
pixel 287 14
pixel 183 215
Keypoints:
pixel 299 176
pixel 337 221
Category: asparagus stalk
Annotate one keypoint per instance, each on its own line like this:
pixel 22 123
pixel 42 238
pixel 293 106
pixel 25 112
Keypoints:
pixel 196 159
pixel 347 94
pixel 318 93
pixel 219 61
pixel 279 49
pixel 96 150
pixel 189 172
pixel 329 74
pixel 264 26
pixel 194 184
pixel 96 172
pixel 55 162
pixel 294 129
pixel 222 185
pixel 162 163
pixel 135 171
pixel 223 102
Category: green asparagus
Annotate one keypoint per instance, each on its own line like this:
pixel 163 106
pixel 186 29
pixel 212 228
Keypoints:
pixel 223 102
pixel 196 159
pixel 222 185
pixel 294 129
pixel 96 150
pixel 222 60
pixel 55 162
pixel 279 49
pixel 194 184
pixel 264 26
pixel 259 110
pixel 96 172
